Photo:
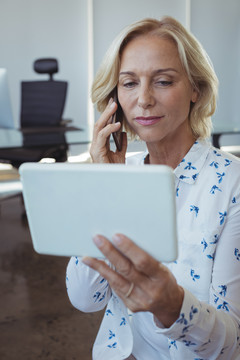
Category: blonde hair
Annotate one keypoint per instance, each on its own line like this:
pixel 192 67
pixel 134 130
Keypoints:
pixel 193 57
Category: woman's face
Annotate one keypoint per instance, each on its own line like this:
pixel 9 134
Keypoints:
pixel 154 90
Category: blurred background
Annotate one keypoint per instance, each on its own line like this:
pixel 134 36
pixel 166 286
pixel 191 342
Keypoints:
pixel 36 319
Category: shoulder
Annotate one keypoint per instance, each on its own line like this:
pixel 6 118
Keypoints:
pixel 224 158
pixel 223 170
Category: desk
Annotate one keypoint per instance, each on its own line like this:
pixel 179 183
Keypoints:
pixel 15 138
pixel 10 184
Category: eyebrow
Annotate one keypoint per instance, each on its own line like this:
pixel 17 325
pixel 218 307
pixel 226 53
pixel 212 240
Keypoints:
pixel 155 72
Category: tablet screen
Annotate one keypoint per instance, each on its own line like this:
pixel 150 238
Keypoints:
pixel 67 204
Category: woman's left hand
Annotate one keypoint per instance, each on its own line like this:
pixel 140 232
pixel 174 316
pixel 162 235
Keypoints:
pixel 138 279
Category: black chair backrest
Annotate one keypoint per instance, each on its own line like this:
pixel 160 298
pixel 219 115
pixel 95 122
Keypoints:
pixel 42 102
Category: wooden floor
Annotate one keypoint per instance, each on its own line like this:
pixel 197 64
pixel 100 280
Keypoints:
pixel 37 320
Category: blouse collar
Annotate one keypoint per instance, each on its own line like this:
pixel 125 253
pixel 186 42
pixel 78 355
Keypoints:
pixel 192 163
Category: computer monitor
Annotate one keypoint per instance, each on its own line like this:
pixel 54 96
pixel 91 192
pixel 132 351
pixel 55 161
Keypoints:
pixel 6 116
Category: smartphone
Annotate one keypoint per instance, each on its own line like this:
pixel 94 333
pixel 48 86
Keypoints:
pixel 117 117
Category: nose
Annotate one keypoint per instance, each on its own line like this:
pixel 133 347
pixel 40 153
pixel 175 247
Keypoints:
pixel 145 97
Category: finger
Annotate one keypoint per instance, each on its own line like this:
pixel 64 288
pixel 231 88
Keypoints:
pixel 105 117
pixel 135 297
pixel 116 281
pixel 122 264
pixel 141 260
pixel 104 134
pixel 100 146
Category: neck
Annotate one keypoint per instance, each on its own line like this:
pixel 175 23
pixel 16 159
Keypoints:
pixel 169 152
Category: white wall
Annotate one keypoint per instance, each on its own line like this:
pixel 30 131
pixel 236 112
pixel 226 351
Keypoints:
pixel 109 17
pixel 31 29
pixel 217 25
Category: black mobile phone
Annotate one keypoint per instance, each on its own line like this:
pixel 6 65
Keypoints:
pixel 117 117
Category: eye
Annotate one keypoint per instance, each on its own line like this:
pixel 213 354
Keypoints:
pixel 164 83
pixel 129 84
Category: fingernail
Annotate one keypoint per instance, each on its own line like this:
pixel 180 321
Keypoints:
pixel 112 105
pixel 86 260
pixel 97 240
pixel 110 101
pixel 117 239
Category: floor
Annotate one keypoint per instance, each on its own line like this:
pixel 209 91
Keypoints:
pixel 37 320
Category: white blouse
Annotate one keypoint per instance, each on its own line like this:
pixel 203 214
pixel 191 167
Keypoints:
pixel 208 268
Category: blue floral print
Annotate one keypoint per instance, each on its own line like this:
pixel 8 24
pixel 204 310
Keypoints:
pixel 223 291
pixel 214 164
pixel 216 238
pixel 223 306
pixel 194 276
pixel 108 312
pixel 216 153
pixel 98 296
pixel 172 343
pixel 182 319
pixel 123 322
pixel 204 243
pixel 237 254
pixel 194 177
pixel 227 162
pixel 177 190
pixel 194 209
pixel 222 217
pixel 189 166
pixel 188 343
pixel 111 335
pixel 193 311
pixel 214 189
pixel 220 177
pixel 182 177
pixel 207 197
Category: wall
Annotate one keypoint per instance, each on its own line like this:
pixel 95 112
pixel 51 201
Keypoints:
pixel 109 17
pixel 217 25
pixel 78 32
pixel 32 29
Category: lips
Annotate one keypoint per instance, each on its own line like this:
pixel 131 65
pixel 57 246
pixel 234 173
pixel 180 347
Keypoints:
pixel 149 120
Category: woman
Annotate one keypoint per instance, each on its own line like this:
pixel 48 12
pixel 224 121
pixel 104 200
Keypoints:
pixel 188 309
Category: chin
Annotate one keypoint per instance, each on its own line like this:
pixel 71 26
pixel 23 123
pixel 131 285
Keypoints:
pixel 150 138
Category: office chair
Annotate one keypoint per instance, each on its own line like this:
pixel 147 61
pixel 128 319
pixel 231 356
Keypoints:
pixel 41 124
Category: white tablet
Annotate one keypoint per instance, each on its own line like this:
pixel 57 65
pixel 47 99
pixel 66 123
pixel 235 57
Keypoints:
pixel 67 204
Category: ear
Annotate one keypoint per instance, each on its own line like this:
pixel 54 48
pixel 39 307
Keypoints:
pixel 194 95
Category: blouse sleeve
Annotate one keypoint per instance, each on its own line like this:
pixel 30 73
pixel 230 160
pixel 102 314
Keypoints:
pixel 87 290
pixel 212 331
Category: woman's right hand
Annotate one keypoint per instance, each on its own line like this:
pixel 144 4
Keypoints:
pixel 100 148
